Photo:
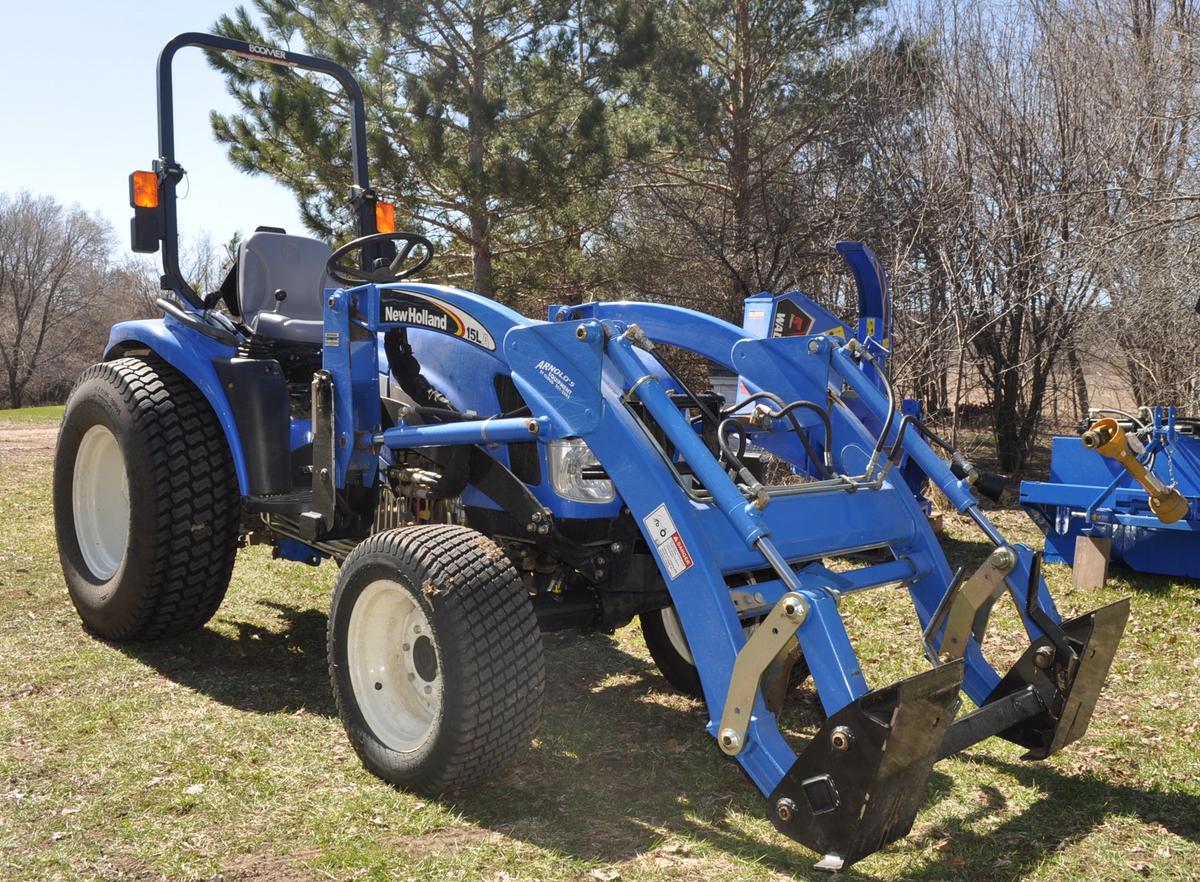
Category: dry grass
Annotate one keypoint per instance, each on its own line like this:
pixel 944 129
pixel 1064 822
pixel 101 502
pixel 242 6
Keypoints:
pixel 218 756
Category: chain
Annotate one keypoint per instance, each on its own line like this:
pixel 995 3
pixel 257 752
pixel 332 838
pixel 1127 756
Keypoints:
pixel 1170 466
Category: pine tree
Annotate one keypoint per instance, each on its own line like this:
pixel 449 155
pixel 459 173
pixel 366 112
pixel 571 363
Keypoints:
pixel 752 96
pixel 489 120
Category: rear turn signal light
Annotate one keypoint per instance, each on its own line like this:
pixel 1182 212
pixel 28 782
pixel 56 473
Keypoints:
pixel 385 217
pixel 143 189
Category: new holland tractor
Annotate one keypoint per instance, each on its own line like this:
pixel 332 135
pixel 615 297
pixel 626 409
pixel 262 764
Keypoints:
pixel 479 476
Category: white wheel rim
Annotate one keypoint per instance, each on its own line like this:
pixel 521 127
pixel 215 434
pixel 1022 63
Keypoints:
pixel 675 634
pixel 395 669
pixel 100 502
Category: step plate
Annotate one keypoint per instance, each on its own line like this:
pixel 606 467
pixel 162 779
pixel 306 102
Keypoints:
pixel 284 503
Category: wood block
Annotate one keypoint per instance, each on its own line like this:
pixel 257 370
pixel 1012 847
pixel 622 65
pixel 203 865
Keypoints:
pixel 1091 561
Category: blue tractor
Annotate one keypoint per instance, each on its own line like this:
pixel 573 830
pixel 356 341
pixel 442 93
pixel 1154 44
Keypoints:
pixel 480 476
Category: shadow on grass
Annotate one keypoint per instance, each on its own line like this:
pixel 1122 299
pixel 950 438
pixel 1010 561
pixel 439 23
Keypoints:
pixel 619 769
pixel 1069 809
pixel 965 553
pixel 257 669
pixel 621 764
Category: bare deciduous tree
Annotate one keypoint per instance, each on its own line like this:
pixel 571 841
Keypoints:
pixel 1053 143
pixel 53 264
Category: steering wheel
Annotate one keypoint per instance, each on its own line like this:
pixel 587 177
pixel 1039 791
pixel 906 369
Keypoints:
pixel 385 270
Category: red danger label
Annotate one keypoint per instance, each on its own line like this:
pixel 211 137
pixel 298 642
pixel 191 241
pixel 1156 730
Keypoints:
pixel 672 550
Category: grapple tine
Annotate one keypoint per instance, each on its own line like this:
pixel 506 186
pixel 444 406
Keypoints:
pixel 858 784
pixel 1068 688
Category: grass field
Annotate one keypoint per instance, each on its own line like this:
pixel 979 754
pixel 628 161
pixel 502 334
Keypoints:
pixel 49 413
pixel 219 756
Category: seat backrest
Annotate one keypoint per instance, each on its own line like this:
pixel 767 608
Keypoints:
pixel 268 262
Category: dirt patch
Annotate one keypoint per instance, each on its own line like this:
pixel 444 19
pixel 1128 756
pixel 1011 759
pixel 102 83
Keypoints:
pixel 273 867
pixel 27 444
pixel 448 841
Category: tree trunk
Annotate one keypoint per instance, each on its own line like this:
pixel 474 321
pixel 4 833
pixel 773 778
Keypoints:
pixel 739 160
pixel 1082 405
pixel 481 253
pixel 16 392
pixel 477 211
pixel 1005 342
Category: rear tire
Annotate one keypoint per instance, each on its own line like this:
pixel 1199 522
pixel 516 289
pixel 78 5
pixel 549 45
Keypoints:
pixel 146 503
pixel 669 648
pixel 434 657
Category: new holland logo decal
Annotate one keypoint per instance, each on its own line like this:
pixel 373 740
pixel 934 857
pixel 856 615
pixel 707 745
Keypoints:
pixel 422 311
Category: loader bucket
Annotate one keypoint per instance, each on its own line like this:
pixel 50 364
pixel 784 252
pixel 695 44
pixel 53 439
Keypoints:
pixel 858 784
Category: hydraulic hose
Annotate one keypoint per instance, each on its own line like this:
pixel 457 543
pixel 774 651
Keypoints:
pixel 735 458
pixel 827 424
pixel 865 353
pixel 407 371
pixel 786 410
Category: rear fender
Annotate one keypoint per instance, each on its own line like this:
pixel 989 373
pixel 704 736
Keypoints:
pixel 190 353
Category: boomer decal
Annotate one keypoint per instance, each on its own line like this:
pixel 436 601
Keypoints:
pixel 421 311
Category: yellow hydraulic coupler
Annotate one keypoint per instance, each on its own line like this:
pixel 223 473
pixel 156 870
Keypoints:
pixel 1108 438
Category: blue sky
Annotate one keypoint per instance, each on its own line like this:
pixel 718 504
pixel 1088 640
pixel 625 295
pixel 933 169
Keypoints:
pixel 78 112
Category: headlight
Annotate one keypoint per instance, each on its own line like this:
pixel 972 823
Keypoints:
pixel 568 460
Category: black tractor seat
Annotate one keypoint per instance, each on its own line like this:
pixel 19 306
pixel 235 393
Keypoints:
pixel 277 286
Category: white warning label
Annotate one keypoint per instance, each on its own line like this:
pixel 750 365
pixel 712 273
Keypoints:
pixel 671 550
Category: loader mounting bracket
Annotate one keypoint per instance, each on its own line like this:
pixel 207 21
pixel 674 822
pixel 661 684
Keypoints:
pixel 858 784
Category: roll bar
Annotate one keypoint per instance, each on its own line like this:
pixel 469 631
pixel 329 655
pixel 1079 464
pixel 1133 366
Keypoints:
pixel 170 171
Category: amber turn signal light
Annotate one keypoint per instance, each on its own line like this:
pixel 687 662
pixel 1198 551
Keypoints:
pixel 143 189
pixel 385 217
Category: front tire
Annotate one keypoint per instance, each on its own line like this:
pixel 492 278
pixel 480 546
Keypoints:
pixel 668 646
pixel 146 501
pixel 434 657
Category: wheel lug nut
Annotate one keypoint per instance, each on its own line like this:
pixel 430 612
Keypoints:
pixel 407 647
pixel 412 677
pixel 428 690
pixel 378 686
